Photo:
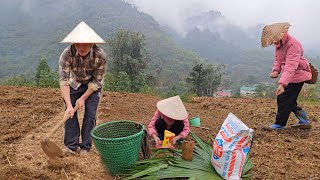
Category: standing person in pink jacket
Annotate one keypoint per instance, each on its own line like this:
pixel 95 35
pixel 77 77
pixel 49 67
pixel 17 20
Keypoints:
pixel 295 69
pixel 170 115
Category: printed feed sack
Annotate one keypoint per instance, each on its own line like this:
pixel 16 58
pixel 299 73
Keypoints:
pixel 231 147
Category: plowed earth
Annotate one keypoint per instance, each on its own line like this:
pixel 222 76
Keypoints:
pixel 27 114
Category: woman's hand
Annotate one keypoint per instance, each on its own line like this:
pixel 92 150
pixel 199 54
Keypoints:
pixel 274 74
pixel 280 90
pixel 156 139
pixel 175 139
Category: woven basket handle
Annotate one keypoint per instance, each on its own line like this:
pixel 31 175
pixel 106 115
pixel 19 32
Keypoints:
pixel 145 144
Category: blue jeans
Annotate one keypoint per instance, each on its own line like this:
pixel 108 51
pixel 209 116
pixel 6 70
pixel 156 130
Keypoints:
pixel 72 129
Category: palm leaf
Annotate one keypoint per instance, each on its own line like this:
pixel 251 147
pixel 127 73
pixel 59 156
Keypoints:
pixel 173 166
pixel 246 167
pixel 150 169
pixel 204 146
pixel 177 172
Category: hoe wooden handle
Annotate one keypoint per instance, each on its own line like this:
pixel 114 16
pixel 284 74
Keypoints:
pixel 60 123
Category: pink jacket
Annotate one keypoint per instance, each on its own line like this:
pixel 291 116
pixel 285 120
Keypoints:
pixel 290 61
pixel 152 129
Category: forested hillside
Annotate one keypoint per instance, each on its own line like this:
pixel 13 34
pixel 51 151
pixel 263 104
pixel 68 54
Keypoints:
pixel 33 29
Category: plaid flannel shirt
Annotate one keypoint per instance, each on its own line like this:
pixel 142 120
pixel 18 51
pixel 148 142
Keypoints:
pixel 73 70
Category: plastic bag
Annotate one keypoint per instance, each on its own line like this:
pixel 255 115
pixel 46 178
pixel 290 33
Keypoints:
pixel 231 147
pixel 168 136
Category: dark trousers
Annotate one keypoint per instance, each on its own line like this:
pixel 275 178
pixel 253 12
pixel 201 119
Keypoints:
pixel 72 129
pixel 287 102
pixel 161 125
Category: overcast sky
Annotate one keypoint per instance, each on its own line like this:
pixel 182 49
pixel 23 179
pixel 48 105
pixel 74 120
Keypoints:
pixel 303 15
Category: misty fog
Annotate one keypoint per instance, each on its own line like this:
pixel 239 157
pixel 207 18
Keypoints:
pixel 244 13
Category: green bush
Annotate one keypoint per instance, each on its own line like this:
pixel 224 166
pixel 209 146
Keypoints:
pixel 19 80
pixel 310 93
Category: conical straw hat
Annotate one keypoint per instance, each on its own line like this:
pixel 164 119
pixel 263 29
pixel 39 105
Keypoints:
pixel 82 33
pixel 273 33
pixel 173 108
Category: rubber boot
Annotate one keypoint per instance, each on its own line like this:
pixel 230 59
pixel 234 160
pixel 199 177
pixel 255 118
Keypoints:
pixel 275 127
pixel 303 120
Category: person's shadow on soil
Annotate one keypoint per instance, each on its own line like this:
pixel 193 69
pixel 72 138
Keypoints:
pixel 298 133
pixel 295 132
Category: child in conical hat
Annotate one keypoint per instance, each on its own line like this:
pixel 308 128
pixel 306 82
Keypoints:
pixel 170 115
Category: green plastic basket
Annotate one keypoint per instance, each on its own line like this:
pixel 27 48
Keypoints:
pixel 118 143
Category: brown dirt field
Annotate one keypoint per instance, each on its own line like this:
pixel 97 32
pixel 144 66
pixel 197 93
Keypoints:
pixel 27 114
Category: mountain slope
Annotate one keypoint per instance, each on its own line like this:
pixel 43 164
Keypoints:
pixel 33 29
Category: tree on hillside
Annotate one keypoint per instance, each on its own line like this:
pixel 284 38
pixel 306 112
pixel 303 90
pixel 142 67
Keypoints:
pixel 44 76
pixel 139 82
pixel 205 79
pixel 42 68
pixel 109 81
pixel 49 79
pixel 196 79
pixel 128 55
pixel 122 83
pixel 213 78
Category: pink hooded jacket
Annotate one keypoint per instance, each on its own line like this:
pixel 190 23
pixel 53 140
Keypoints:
pixel 290 61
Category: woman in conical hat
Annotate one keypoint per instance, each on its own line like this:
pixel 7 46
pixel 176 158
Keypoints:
pixel 290 61
pixel 81 68
pixel 170 115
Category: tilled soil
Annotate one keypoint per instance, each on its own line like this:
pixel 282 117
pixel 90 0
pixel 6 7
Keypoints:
pixel 27 114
